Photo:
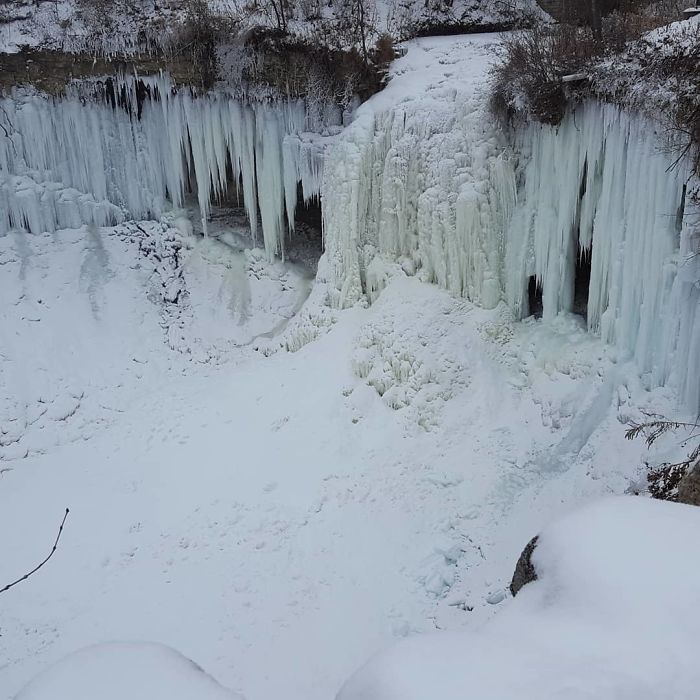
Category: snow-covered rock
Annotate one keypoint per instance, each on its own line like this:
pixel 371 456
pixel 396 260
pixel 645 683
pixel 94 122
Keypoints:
pixel 125 671
pixel 689 488
pixel 615 614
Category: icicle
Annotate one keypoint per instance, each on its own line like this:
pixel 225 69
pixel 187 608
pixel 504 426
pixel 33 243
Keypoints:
pixel 139 153
pixel 432 186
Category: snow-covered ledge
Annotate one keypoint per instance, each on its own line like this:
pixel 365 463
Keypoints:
pixel 588 215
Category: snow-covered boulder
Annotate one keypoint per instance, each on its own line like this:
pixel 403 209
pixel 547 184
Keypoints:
pixel 125 671
pixel 615 613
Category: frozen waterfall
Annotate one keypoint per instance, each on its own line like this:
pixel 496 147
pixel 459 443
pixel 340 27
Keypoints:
pixel 438 194
pixel 602 187
pixel 133 153
pixel 588 209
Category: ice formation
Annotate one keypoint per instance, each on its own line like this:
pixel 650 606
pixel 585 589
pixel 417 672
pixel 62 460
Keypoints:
pixel 426 182
pixel 602 188
pixel 440 194
pixel 135 152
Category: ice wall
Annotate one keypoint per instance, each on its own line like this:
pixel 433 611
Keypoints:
pixel 135 152
pixel 438 195
pixel 429 186
pixel 603 186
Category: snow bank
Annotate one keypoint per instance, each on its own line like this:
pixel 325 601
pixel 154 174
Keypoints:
pixel 615 614
pixel 423 178
pixel 126 671
pixel 138 156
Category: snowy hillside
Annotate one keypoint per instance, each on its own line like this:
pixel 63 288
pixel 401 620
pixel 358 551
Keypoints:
pixel 129 26
pixel 279 476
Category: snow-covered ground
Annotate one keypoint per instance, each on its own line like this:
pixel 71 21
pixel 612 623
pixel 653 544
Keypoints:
pixel 89 312
pixel 613 614
pixel 277 516
pixel 138 671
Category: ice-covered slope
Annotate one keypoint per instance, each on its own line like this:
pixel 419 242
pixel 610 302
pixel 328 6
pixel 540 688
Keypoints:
pixel 423 179
pixel 420 177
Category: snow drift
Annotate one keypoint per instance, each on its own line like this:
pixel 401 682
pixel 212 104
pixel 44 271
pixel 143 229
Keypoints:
pixel 121 670
pixel 614 614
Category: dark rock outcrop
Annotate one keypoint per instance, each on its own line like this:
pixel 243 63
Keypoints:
pixel 524 570
pixel 689 487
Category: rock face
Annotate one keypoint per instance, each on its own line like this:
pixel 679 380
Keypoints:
pixel 524 570
pixel 689 488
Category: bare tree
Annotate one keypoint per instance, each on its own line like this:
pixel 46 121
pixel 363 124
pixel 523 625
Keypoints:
pixel 277 11
pixel 356 24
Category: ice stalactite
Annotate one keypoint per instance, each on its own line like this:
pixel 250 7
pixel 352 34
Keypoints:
pixel 136 152
pixel 436 192
pixel 601 186
pixel 418 187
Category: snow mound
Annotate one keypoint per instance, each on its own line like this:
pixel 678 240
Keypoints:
pixel 615 614
pixel 414 352
pixel 126 670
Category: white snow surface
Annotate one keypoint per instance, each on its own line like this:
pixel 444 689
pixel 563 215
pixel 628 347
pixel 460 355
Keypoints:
pixel 125 671
pixel 613 614
pixel 281 516
pixel 89 312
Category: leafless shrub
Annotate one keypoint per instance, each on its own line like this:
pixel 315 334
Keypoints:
pixel 199 36
pixel 666 10
pixel 276 11
pixel 529 76
pixel 664 479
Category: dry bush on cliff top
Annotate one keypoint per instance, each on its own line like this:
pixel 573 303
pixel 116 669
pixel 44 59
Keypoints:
pixel 528 78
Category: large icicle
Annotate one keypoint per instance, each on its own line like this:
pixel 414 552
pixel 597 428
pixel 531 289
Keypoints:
pixel 601 185
pixel 420 179
pixel 81 160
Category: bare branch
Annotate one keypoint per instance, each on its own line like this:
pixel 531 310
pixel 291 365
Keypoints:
pixel 36 568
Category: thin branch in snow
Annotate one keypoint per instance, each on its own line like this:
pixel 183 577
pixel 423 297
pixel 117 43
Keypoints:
pixel 36 568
